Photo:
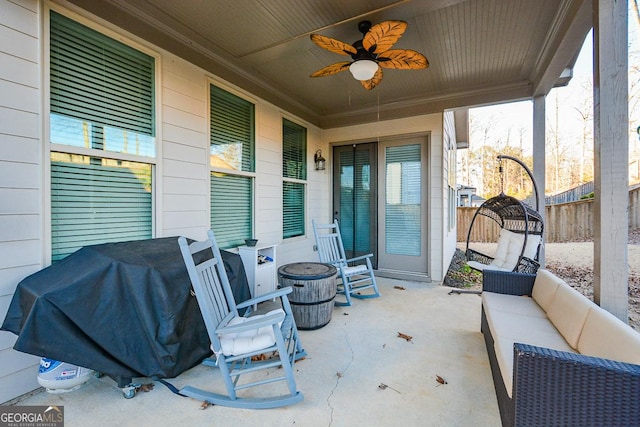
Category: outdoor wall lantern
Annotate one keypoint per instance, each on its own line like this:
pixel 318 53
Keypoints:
pixel 319 160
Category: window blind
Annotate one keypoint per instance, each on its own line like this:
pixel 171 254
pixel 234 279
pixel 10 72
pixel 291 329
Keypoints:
pixel 293 209
pixel 294 166
pixel 231 208
pixel 403 200
pixel 97 201
pixel 232 125
pixel 101 98
pixel 294 150
pixel 97 79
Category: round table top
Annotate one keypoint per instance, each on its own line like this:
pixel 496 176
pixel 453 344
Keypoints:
pixel 307 270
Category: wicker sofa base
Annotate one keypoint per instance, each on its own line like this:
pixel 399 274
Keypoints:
pixel 557 388
pixel 505 403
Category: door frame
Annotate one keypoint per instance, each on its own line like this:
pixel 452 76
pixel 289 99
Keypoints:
pixel 426 177
pixel 427 158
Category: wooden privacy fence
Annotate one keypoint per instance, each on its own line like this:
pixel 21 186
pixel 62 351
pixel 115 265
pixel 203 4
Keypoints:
pixel 565 222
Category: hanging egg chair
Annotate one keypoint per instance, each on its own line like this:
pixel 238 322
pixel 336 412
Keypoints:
pixel 521 231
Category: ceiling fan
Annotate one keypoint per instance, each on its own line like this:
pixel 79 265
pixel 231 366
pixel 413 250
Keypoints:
pixel 372 53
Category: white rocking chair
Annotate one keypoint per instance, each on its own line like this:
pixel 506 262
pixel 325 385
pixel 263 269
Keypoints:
pixel 236 339
pixel 356 273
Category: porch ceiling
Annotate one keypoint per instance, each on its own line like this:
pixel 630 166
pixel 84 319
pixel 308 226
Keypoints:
pixel 480 51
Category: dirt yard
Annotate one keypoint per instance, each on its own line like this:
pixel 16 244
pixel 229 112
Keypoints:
pixel 573 262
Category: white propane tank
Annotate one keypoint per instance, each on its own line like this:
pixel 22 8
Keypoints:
pixel 62 377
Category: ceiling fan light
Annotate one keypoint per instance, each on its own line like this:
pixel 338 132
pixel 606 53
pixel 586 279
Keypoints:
pixel 363 69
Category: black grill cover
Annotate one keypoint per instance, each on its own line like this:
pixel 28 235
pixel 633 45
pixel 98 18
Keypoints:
pixel 122 309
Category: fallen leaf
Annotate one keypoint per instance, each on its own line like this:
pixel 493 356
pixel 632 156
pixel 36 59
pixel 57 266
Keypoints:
pixel 259 357
pixel 383 386
pixel 204 405
pixel 145 387
pixel 405 337
pixel 440 379
pixel 402 288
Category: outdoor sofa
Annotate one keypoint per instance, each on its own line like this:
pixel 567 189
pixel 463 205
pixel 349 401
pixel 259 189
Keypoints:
pixel 557 359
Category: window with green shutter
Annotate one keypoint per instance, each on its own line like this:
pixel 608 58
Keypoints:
pixel 294 173
pixel 102 101
pixel 232 159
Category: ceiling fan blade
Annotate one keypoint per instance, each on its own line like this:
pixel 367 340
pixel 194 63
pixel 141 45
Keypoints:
pixel 332 69
pixel 333 45
pixel 402 59
pixel 374 81
pixel 382 36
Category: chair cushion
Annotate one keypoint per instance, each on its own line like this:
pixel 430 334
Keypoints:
pixel 356 269
pixel 481 267
pixel 501 250
pixel 531 248
pixel 514 249
pixel 248 341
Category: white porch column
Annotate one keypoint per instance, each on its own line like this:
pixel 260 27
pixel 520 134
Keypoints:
pixel 539 163
pixel 611 152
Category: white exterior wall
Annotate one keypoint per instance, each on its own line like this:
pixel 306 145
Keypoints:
pixel 449 155
pixel 181 178
pixel 20 176
pixel 431 124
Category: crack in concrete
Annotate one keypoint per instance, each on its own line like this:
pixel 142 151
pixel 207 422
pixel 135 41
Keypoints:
pixel 339 375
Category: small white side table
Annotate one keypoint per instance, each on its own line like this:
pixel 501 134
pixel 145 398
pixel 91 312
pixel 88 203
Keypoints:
pixel 260 266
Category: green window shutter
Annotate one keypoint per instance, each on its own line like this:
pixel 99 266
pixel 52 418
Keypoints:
pixel 231 208
pixel 293 209
pixel 403 197
pixel 100 81
pixel 294 150
pixel 232 124
pixel 97 201
pixel 294 167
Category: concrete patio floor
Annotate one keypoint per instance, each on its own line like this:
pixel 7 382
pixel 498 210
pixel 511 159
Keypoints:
pixel 347 361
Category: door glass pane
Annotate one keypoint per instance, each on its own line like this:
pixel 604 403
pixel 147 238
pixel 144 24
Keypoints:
pixel 355 199
pixel 402 200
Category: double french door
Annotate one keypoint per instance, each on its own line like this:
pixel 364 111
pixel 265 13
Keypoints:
pixel 380 199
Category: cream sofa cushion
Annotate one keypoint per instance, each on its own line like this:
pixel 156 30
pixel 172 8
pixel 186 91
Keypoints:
pixel 544 288
pixel 568 311
pixel 606 336
pixel 510 328
pixel 504 354
pixel 512 304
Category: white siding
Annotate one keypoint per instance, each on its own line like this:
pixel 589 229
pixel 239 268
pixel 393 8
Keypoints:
pixel 449 145
pixel 20 176
pixel 182 174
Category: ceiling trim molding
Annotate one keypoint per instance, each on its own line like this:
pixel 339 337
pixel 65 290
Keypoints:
pixel 434 104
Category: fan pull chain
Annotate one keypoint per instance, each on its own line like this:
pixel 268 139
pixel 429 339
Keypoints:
pixel 378 119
